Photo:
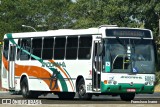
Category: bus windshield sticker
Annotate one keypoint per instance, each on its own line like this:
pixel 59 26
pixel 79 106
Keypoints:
pixel 107 67
pixel 135 70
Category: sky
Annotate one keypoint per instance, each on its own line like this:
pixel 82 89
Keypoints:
pixel 74 0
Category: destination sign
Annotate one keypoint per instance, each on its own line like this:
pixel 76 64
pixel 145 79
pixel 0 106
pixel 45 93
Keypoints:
pixel 128 33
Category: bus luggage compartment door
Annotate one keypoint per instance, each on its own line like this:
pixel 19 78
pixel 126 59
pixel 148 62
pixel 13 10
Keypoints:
pixel 11 74
pixel 97 66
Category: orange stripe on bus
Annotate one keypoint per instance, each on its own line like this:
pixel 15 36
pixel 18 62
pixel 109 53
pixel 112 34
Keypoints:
pixel 37 72
pixel 63 72
pixel 5 62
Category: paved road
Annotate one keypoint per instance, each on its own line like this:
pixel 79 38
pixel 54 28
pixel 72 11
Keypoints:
pixel 103 99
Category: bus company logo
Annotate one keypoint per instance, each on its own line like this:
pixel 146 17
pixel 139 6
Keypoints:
pixel 131 77
pixel 53 64
pixel 131 83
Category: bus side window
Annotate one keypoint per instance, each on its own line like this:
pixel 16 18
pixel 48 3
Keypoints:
pixel 47 48
pixel 72 47
pixel 6 48
pixel 85 44
pixel 59 49
pixel 25 49
pixel 36 47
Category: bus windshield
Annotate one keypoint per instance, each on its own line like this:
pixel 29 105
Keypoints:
pixel 130 55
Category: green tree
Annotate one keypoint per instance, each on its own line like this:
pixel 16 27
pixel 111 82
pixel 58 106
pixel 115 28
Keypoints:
pixel 147 12
pixel 56 14
pixel 127 13
pixel 97 12
pixel 50 14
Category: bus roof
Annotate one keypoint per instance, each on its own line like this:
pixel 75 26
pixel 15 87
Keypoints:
pixel 69 32
pixel 59 32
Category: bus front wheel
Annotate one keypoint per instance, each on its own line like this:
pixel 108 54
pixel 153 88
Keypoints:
pixel 82 91
pixel 25 91
pixel 127 96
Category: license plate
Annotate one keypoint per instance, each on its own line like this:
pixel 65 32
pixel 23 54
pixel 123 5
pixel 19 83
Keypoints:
pixel 131 90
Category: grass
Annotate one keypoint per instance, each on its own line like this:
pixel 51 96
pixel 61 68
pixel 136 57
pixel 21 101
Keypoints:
pixel 157 88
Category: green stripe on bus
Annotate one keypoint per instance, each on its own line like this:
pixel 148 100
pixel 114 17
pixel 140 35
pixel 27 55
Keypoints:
pixel 69 76
pixel 9 36
pixel 60 77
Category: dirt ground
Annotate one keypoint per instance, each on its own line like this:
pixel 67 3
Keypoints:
pixel 157 88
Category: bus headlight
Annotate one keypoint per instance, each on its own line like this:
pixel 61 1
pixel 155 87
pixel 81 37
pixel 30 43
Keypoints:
pixel 110 82
pixel 114 82
pixel 105 82
pixel 146 83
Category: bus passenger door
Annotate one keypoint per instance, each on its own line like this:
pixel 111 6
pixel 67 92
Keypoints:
pixel 11 73
pixel 97 66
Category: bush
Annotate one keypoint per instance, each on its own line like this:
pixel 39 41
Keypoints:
pixel 157 78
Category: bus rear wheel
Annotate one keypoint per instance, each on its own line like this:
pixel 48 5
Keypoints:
pixel 25 91
pixel 82 91
pixel 127 96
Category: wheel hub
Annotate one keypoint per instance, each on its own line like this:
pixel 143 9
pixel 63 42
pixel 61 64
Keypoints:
pixel 82 90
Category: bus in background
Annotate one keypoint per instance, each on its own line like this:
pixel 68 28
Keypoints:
pixel 107 60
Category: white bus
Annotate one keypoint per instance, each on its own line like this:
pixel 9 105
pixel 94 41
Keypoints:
pixel 107 60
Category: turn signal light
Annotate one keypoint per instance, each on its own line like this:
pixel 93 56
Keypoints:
pixel 105 82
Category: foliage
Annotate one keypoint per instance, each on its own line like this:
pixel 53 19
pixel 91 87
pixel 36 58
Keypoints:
pixel 127 13
pixel 51 14
pixel 97 12
pixel 58 14
pixel 157 78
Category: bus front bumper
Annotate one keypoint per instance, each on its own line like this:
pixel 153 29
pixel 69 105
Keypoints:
pixel 126 88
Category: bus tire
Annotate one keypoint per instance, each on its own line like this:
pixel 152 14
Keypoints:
pixel 66 95
pixel 127 96
pixel 25 91
pixel 81 89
